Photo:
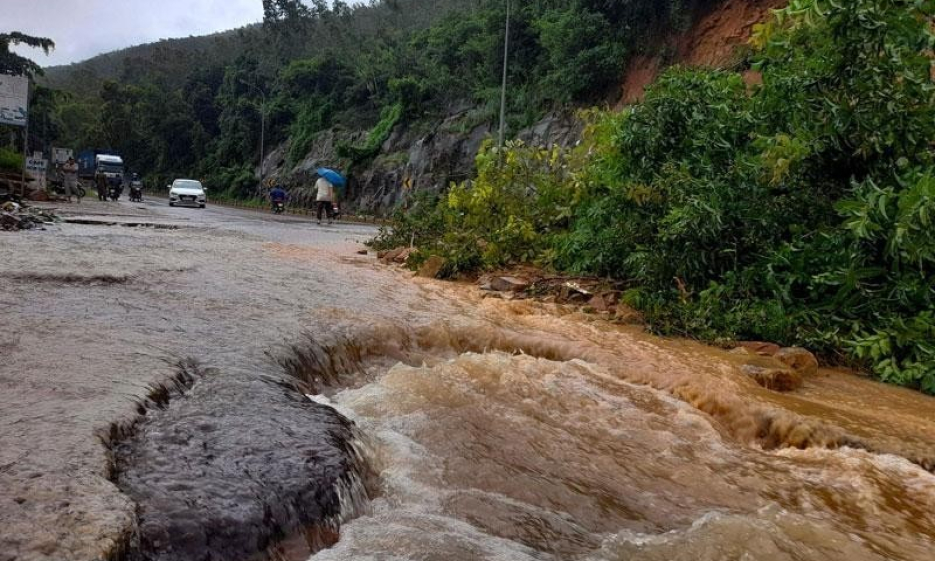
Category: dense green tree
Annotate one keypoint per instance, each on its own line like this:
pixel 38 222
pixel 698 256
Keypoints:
pixel 12 63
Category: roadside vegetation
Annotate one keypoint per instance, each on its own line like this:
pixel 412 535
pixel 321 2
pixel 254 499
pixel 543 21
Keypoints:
pixel 798 208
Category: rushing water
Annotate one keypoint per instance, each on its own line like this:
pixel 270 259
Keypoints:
pixel 496 430
pixel 529 436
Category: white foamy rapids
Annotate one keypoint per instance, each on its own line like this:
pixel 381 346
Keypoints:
pixel 772 534
pixel 497 456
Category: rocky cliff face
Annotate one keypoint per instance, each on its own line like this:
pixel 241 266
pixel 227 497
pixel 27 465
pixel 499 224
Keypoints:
pixel 424 157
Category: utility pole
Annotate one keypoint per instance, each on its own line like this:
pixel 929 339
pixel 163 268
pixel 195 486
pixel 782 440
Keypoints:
pixel 506 60
pixel 25 157
pixel 262 134
pixel 262 127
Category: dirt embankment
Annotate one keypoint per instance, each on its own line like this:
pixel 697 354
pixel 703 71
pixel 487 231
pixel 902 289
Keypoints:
pixel 715 40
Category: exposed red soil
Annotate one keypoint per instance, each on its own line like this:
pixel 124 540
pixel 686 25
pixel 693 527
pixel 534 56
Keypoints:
pixel 714 40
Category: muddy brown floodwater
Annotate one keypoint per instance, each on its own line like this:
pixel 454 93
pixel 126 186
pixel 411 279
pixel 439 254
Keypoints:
pixel 315 404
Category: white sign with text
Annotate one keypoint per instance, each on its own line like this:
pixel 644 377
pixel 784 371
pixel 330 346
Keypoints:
pixel 14 100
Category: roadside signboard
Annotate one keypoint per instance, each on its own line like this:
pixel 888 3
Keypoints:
pixel 14 96
pixel 37 169
pixel 37 164
pixel 61 155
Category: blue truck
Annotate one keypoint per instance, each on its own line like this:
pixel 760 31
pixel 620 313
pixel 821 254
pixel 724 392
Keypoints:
pixel 90 160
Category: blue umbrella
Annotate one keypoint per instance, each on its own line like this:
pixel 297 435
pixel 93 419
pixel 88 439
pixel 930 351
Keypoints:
pixel 332 176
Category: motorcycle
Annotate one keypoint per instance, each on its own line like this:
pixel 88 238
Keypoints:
pixel 279 207
pixel 136 193
pixel 116 189
pixel 57 187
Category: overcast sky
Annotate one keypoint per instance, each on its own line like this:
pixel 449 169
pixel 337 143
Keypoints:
pixel 84 28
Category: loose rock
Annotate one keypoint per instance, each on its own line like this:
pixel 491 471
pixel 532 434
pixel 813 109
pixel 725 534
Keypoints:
pixel 390 256
pixel 399 255
pixel 508 284
pixel 773 378
pixel 403 256
pixel 14 216
pixel 604 302
pixel 432 267
pixel 760 348
pixel 800 360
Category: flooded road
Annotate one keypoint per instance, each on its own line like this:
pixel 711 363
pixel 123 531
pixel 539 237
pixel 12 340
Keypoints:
pixel 438 425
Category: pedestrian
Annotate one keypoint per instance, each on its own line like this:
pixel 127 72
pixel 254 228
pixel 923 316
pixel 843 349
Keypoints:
pixel 70 173
pixel 325 198
pixel 100 182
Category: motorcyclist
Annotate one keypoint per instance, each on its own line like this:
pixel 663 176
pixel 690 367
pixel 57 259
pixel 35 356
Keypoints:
pixel 277 195
pixel 136 188
pixel 116 187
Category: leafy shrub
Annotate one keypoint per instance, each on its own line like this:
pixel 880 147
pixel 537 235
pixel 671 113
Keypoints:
pixel 313 118
pixel 420 222
pixel 583 56
pixel 514 207
pixel 10 160
pixel 389 118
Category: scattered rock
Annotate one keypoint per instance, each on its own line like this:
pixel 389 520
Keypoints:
pixel 14 216
pixel 604 302
pixel 499 295
pixel 598 304
pixel 760 348
pixel 628 316
pixel 398 255
pixel 432 267
pixel 390 256
pixel 800 360
pixel 362 252
pixel 404 255
pixel 773 378
pixel 576 288
pixel 508 284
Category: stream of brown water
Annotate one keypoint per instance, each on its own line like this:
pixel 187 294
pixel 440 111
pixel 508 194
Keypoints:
pixel 518 434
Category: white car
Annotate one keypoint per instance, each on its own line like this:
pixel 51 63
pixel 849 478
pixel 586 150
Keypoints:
pixel 187 192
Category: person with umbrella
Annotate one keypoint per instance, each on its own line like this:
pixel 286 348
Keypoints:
pixel 70 173
pixel 327 180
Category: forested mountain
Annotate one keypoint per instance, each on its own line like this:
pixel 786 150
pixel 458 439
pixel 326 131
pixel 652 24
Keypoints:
pixel 172 57
pixel 196 106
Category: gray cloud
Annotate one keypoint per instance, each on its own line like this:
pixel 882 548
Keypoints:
pixel 84 28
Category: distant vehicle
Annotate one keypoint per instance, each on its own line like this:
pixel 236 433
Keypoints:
pixel 112 168
pixel 88 161
pixel 187 192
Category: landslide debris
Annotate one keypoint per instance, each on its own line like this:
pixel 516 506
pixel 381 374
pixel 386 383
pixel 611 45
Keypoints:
pixel 18 216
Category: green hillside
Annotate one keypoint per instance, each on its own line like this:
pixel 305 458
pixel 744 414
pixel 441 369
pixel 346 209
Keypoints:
pixel 192 106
